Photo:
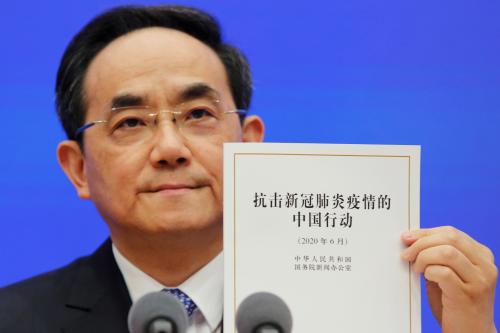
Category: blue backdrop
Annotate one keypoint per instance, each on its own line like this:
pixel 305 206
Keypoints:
pixel 361 71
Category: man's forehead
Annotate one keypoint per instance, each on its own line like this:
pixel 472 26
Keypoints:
pixel 154 49
pixel 152 57
pixel 153 39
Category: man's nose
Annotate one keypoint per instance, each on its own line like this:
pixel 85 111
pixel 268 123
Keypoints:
pixel 169 146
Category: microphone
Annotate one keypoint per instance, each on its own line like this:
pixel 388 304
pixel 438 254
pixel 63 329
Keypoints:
pixel 263 312
pixel 157 312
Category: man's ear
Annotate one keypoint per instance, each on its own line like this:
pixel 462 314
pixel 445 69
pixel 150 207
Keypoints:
pixel 71 160
pixel 253 129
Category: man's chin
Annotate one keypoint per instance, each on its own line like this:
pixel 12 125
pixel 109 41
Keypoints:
pixel 173 223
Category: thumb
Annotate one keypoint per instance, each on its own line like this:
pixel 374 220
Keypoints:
pixel 408 238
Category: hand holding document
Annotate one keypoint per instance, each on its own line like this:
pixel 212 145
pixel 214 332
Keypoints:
pixel 319 226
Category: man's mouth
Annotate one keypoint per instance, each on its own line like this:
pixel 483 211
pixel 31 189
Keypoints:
pixel 175 189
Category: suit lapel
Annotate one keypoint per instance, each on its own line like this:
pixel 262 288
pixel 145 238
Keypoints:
pixel 98 300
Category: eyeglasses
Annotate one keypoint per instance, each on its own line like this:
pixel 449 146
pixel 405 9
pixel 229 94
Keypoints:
pixel 132 124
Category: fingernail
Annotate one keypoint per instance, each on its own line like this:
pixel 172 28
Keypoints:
pixel 407 235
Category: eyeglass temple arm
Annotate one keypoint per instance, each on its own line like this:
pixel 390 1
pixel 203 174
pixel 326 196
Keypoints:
pixel 80 130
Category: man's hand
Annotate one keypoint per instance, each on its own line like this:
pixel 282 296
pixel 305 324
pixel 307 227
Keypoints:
pixel 460 274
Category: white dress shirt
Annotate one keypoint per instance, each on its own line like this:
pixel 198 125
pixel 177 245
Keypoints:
pixel 205 288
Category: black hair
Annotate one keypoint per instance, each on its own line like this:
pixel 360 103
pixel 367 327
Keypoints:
pixel 103 29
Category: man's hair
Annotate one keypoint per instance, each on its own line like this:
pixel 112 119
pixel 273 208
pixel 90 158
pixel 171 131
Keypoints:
pixel 102 30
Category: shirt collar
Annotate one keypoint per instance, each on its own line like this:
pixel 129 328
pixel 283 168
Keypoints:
pixel 205 287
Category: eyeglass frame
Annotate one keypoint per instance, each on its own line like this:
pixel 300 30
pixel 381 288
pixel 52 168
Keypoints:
pixel 84 127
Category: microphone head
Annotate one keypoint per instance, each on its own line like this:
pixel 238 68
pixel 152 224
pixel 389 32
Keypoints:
pixel 260 309
pixel 157 305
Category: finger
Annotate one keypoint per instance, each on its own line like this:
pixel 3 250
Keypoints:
pixel 426 238
pixel 446 278
pixel 408 238
pixel 447 255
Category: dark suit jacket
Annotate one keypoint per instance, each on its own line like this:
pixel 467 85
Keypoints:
pixel 89 295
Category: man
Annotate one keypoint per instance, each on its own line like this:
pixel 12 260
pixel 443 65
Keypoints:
pixel 147 97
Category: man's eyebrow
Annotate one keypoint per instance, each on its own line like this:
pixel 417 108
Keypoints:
pixel 189 93
pixel 197 90
pixel 125 100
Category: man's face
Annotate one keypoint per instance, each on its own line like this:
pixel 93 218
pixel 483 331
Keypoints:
pixel 170 182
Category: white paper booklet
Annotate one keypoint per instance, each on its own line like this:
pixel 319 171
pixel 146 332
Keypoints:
pixel 320 226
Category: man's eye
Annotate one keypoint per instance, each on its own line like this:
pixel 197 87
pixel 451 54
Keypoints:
pixel 130 123
pixel 198 114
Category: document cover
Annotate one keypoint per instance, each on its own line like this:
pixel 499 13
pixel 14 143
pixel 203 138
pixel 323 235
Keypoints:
pixel 319 225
